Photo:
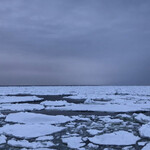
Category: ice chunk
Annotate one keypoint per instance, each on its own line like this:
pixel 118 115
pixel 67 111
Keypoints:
pixel 25 143
pixel 115 138
pixel 32 118
pixel 124 116
pixel 21 107
pixel 2 139
pixel 93 146
pixel 45 138
pixel 55 103
pixel 12 99
pixel 142 143
pixel 109 107
pixel 73 142
pixel 142 118
pixel 29 131
pixel 94 131
pixel 88 101
pixel 2 116
pixel 145 131
pixel 107 119
pixel 128 148
pixel 80 118
pixel 147 147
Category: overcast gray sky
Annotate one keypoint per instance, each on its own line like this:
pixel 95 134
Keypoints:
pixel 74 42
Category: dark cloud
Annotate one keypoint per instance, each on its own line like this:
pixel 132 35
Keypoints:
pixel 49 42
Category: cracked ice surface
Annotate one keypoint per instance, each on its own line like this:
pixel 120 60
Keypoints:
pixel 115 138
pixel 34 118
pixel 73 142
pixel 28 131
pixel 12 99
pixel 84 118
pixel 2 139
pixel 25 143
pixel 21 107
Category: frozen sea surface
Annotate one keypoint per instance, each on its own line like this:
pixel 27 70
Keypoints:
pixel 75 117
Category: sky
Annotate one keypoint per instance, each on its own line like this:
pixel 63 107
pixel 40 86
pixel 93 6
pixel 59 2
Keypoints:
pixel 74 42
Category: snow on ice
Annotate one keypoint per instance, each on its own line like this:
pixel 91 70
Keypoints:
pixel 115 138
pixel 147 147
pixel 12 99
pixel 25 143
pixel 55 103
pixel 28 131
pixel 2 139
pixel 145 131
pixel 102 117
pixel 34 118
pixel 73 142
pixel 21 107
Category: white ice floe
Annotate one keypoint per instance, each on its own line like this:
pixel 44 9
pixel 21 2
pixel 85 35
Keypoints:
pixel 45 138
pixel 37 149
pixel 129 92
pixel 124 116
pixel 27 144
pixel 147 147
pixel 107 119
pixel 12 99
pixel 116 99
pixel 88 101
pixel 80 118
pixel 73 142
pixel 115 138
pixel 142 118
pixel 55 103
pixel 104 108
pixel 145 131
pixel 21 107
pixel 94 131
pixel 2 116
pixel 2 139
pixel 34 118
pixel 127 148
pixel 93 146
pixel 28 131
pixel 142 143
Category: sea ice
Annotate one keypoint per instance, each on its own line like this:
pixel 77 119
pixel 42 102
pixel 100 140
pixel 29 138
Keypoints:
pixel 73 142
pixel 28 131
pixel 124 116
pixel 81 91
pixel 93 146
pixel 2 116
pixel 104 108
pixel 115 138
pixel 34 118
pixel 88 101
pixel 142 143
pixel 21 107
pixel 94 131
pixel 55 103
pixel 45 138
pixel 12 99
pixel 145 131
pixel 142 118
pixel 25 143
pixel 147 147
pixel 2 139
pixel 80 118
pixel 107 119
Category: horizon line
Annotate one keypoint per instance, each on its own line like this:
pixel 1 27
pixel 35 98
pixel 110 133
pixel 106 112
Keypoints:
pixel 67 85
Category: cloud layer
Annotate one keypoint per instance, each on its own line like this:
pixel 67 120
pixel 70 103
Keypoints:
pixel 74 42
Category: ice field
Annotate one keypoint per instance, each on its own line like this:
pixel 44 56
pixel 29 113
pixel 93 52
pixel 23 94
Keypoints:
pixel 75 118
